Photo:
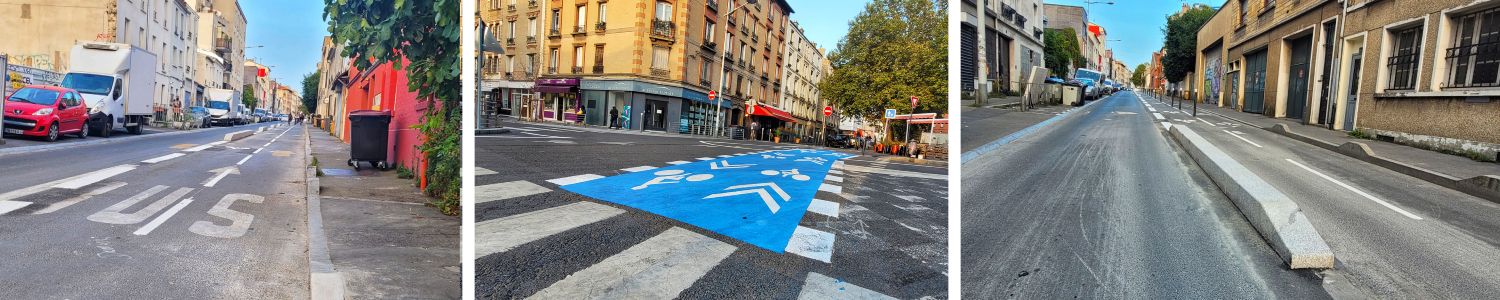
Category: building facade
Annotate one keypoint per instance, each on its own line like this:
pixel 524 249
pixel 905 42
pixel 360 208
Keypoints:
pixel 220 45
pixel 999 40
pixel 333 69
pixel 506 79
pixel 803 71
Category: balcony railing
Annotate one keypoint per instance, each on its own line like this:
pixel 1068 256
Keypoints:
pixel 531 3
pixel 555 33
pixel 1474 65
pixel 580 29
pixel 508 75
pixel 705 82
pixel 510 41
pixel 551 70
pixel 577 69
pixel 662 30
pixel 223 45
pixel 660 72
pixel 531 39
pixel 599 26
pixel 598 68
pixel 728 58
pixel 510 7
pixel 708 46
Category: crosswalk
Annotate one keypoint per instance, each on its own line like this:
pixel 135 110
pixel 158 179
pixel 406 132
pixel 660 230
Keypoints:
pixel 662 266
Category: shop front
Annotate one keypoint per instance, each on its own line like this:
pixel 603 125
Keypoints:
pixel 503 98
pixel 767 123
pixel 558 100
pixel 636 105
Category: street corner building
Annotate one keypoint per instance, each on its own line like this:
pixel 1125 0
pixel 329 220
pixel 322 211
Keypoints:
pixel 1407 71
pixel 707 68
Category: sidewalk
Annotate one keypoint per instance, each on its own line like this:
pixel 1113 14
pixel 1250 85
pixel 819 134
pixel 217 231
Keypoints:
pixel 1451 171
pixel 982 126
pixel 995 102
pixel 382 237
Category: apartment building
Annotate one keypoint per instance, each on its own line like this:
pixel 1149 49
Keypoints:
pixel 1091 37
pixel 506 80
pixel 1212 78
pixel 220 45
pixel 999 40
pixel 800 95
pixel 333 77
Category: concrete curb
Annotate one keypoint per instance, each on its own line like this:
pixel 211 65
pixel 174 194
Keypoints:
pixel 1278 219
pixel 1486 187
pixel 237 135
pixel 324 282
pixel 995 145
pixel 491 131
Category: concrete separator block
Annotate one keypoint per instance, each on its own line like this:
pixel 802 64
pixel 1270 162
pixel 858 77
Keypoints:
pixel 237 135
pixel 1278 219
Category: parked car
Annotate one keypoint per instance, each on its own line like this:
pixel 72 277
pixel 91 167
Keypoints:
pixel 200 114
pixel 838 141
pixel 1089 81
pixel 46 111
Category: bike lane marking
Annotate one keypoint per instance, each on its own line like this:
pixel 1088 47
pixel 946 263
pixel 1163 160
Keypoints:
pixel 757 198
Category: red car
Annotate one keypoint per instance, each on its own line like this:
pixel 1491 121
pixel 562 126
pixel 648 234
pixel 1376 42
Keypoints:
pixel 46 111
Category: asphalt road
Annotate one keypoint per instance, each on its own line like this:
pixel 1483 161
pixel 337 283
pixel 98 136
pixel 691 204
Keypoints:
pixel 164 216
pixel 1100 205
pixel 1394 236
pixel 543 237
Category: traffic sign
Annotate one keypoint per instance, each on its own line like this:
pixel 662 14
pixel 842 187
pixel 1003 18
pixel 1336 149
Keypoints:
pixel 827 111
pixel 890 113
pixel 712 95
pixel 758 198
pixel 913 101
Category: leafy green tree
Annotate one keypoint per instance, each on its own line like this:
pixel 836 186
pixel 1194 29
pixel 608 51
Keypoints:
pixel 1182 41
pixel 421 38
pixel 1062 52
pixel 248 97
pixel 310 91
pixel 895 49
pixel 1139 76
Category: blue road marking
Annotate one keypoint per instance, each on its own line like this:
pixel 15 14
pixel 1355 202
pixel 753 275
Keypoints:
pixel 757 198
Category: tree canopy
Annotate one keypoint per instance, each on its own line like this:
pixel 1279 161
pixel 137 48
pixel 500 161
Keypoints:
pixel 248 96
pixel 310 91
pixel 425 34
pixel 1062 52
pixel 1139 76
pixel 1182 41
pixel 895 49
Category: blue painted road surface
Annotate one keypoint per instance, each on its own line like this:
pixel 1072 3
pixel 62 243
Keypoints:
pixel 758 198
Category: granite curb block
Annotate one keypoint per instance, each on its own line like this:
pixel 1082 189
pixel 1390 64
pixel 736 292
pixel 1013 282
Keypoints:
pixel 324 282
pixel 1486 187
pixel 1278 219
pixel 237 135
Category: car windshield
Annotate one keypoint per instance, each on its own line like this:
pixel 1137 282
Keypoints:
pixel 35 95
pixel 218 104
pixel 1087 74
pixel 198 109
pixel 88 83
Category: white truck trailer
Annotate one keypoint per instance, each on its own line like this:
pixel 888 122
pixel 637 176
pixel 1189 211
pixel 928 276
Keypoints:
pixel 117 82
pixel 223 106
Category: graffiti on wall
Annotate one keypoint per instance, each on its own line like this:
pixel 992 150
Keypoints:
pixel 21 76
pixel 40 61
pixel 1212 79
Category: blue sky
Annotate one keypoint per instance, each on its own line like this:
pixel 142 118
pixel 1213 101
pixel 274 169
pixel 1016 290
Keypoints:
pixel 291 32
pixel 825 21
pixel 1136 23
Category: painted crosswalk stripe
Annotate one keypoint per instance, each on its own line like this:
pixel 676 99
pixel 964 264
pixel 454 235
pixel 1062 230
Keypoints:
pixel 833 178
pixel 637 169
pixel 163 158
pixel 94 177
pixel 811 243
pixel 659 268
pixel 831 188
pixel 818 286
pixel 507 190
pixel 8 206
pixel 836 172
pixel 503 234
pixel 574 179
pixel 726 155
pixel 1158 116
pixel 482 171
pixel 705 158
pixel 824 207
pixel 677 162
pixel 204 146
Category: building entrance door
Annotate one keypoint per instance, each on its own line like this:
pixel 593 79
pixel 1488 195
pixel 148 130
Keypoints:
pixel 1297 83
pixel 655 115
pixel 1255 82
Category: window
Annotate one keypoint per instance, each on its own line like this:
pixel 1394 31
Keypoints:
pixel 707 68
pixel 708 31
pixel 553 63
pixel 510 63
pixel 531 26
pixel 556 14
pixel 663 11
pixel 512 29
pixel 603 11
pixel 1244 10
pixel 583 16
pixel 1402 65
pixel 659 58
pixel 578 57
pixel 1474 59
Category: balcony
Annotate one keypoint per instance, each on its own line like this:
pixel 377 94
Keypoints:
pixel 728 58
pixel 660 73
pixel 705 82
pixel 510 7
pixel 531 39
pixel 580 29
pixel 554 33
pixel 598 68
pixel 552 70
pixel 708 46
pixel 510 41
pixel 662 30
pixel 223 46
pixel 577 69
pixel 508 75
pixel 754 38
pixel 599 27
pixel 531 3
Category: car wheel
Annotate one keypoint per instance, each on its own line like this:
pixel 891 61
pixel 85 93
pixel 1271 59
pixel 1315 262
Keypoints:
pixel 109 129
pixel 84 132
pixel 52 132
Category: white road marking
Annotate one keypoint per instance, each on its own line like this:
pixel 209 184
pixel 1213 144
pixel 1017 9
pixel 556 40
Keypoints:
pixel 818 286
pixel 677 162
pixel 824 207
pixel 257 150
pixel 574 179
pixel 8 206
pixel 114 215
pixel 705 158
pixel 507 190
pixel 1243 139
pixel 1356 191
pixel 726 156
pixel 638 169
pixel 835 172
pixel 873 170
pixel 222 173
pixel 478 171
pixel 162 158
pixel 163 217
pixel 239 221
pixel 94 177
pixel 1158 115
pixel 204 146
pixel 833 178
pixel 80 198
pixel 503 234
pixel 811 243
pixel 659 268
pixel 1166 125
pixel 242 160
pixel 1206 122
pixel 831 188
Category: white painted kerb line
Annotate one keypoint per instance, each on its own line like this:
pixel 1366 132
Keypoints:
pixel 1356 191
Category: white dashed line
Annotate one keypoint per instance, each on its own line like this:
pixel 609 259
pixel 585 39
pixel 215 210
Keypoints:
pixel 677 162
pixel 204 146
pixel 94 177
pixel 1243 139
pixel 163 158
pixel 242 160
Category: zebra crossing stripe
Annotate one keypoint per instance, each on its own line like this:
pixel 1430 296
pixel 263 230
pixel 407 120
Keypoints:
pixel 659 268
pixel 824 207
pixel 811 243
pixel 705 158
pixel 637 169
pixel 831 188
pixel 8 206
pixel 677 162
pixel 833 178
pixel 574 179
pixel 478 171
pixel 503 234
pixel 819 286
pixel 507 190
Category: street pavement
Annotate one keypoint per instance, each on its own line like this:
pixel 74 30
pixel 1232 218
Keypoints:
pixel 168 216
pixel 1394 236
pixel 569 212
pixel 1099 204
pixel 16 140
pixel 984 125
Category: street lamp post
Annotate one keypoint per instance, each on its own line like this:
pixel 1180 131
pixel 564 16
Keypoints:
pixel 724 67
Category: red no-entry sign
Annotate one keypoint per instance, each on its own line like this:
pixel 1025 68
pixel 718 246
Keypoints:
pixel 712 95
pixel 913 101
pixel 827 111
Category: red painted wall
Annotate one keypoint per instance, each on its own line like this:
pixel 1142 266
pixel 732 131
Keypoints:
pixel 390 87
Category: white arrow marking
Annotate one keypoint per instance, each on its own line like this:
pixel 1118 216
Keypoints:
pixel 724 164
pixel 764 195
pixel 225 171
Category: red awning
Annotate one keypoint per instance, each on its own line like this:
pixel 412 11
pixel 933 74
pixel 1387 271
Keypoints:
pixel 929 121
pixel 762 110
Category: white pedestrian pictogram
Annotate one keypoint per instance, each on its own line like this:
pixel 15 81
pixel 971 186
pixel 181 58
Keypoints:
pixel 675 176
pixel 764 192
pixel 793 173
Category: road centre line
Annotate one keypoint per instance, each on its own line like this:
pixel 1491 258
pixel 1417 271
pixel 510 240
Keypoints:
pixel 163 217
pixel 1243 138
pixel 1356 191
pixel 163 158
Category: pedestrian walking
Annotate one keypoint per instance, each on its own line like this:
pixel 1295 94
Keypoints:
pixel 614 117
